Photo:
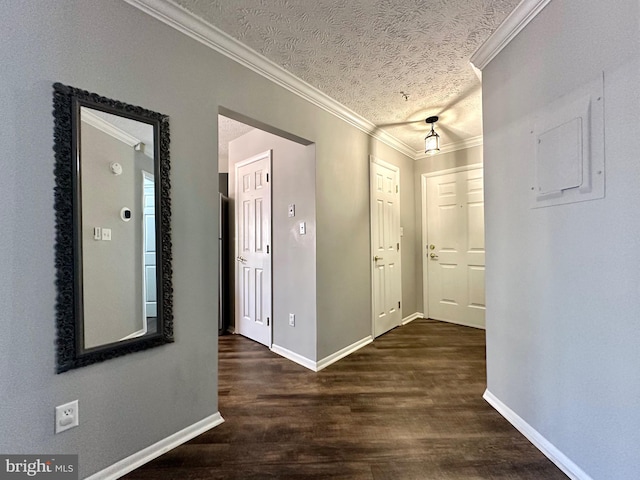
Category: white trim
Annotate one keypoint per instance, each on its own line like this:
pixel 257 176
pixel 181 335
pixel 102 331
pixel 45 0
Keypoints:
pixel 137 334
pixel 507 31
pixel 451 147
pixel 340 354
pixel 106 127
pixel 294 357
pixel 549 450
pixel 214 38
pixel 145 455
pixel 325 362
pixel 411 318
pixel 425 233
pixel 462 323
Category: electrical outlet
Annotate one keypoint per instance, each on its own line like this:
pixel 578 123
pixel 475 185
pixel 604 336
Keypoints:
pixel 292 319
pixel 106 234
pixel 66 416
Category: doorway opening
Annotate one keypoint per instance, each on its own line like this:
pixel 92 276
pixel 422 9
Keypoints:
pixel 267 235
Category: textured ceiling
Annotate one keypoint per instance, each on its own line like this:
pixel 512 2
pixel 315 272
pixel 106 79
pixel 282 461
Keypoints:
pixel 228 130
pixel 363 53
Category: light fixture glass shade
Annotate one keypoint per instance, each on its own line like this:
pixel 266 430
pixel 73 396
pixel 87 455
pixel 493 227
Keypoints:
pixel 432 142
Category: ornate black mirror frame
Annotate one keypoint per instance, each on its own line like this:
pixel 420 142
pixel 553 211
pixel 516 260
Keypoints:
pixel 71 352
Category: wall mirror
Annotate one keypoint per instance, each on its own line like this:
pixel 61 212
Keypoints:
pixel 113 242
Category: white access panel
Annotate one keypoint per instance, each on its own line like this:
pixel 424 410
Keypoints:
pixel 559 158
pixel 568 141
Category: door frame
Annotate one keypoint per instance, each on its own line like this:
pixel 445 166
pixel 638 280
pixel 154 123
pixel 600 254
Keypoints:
pixel 424 248
pixel 375 160
pixel 145 323
pixel 254 158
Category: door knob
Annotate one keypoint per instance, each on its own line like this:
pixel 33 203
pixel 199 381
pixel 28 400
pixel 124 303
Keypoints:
pixel 433 256
pixel 376 258
pixel 432 247
pixel 241 259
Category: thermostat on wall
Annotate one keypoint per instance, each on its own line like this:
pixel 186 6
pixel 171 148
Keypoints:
pixel 125 214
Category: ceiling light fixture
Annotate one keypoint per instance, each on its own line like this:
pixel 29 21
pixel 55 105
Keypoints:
pixel 432 140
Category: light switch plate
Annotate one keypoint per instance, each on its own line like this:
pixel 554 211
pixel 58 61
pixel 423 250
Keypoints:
pixel 292 210
pixel 303 228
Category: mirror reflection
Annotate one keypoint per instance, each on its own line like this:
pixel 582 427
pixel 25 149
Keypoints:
pixel 116 172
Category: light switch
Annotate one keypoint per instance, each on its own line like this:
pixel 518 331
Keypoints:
pixel 97 233
pixel 106 234
pixel 303 228
pixel 292 210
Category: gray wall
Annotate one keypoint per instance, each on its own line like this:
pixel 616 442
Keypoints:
pixel 127 403
pixel 112 270
pixel 563 282
pixel 443 161
pixel 114 49
pixel 294 255
pixel 343 238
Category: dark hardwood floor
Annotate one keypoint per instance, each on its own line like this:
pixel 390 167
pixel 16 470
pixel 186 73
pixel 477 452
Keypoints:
pixel 408 406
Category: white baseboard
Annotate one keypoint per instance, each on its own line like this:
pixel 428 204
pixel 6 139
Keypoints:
pixel 138 459
pixel 348 350
pixel 325 362
pixel 294 357
pixel 411 318
pixel 464 324
pixel 541 443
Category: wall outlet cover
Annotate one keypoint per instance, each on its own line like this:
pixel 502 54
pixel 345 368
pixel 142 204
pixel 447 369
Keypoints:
pixel 66 416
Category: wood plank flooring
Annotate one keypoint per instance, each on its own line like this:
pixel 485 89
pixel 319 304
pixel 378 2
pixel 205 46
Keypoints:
pixel 408 406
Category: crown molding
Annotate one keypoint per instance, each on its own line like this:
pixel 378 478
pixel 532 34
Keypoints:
pixel 214 38
pixel 106 127
pixel 451 147
pixel 524 13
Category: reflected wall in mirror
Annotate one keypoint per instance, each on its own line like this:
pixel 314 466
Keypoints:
pixel 113 245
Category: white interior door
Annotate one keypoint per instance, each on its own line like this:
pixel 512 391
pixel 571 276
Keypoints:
pixel 149 245
pixel 253 241
pixel 455 247
pixel 385 246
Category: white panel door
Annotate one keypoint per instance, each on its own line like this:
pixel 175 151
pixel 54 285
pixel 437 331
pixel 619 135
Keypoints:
pixel 385 247
pixel 455 247
pixel 253 241
pixel 149 244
